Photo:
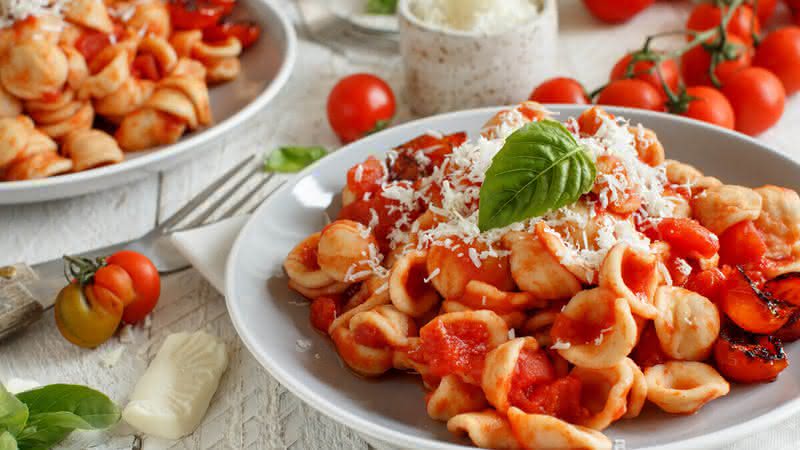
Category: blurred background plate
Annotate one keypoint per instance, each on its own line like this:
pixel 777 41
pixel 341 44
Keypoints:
pixel 277 331
pixel 266 67
pixel 354 11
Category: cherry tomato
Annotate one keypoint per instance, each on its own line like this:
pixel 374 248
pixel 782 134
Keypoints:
pixel 146 283
pixel 785 288
pixel 365 177
pixel 323 312
pixel 743 23
pixel 358 105
pixel 247 34
pixel 742 245
pixel 757 97
pixel 764 9
pixel 644 70
pixel 696 63
pixel 190 15
pixel 633 94
pixel 560 90
pixel 750 308
pixel 709 105
pixel 748 358
pixel 780 54
pixel 84 319
pixel 790 331
pixel 614 11
pixel 686 238
pixel 707 283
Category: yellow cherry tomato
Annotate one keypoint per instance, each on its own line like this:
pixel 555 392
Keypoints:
pixel 85 317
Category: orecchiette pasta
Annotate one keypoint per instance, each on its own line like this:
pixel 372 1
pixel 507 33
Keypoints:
pixel 90 148
pixel 543 332
pixel 683 387
pixel 719 207
pixel 597 328
pixel 687 323
pixel 119 61
pixel 453 397
pixel 546 432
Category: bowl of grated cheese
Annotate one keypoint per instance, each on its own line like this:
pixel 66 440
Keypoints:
pixel 471 53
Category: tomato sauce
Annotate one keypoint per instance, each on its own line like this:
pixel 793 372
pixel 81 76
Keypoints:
pixel 308 256
pixel 583 329
pixel 323 312
pixel 453 348
pixel 533 369
pixel 370 336
pixel 415 280
pixel 560 398
pixel 637 274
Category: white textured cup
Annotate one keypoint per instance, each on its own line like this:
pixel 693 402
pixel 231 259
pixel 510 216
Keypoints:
pixel 448 70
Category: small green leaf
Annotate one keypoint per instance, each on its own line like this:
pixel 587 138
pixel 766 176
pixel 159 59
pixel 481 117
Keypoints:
pixel 293 159
pixel 7 441
pixel 93 407
pixel 540 168
pixel 13 413
pixel 381 6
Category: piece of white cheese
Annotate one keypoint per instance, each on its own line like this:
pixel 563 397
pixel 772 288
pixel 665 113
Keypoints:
pixel 172 396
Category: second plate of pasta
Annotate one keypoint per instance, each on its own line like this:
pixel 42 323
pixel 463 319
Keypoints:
pixel 617 318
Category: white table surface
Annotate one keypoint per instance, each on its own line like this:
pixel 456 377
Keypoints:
pixel 251 410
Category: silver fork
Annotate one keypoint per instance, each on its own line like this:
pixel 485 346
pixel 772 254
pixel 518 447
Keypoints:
pixel 27 291
pixel 330 30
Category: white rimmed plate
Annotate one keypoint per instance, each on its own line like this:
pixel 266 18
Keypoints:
pixel 266 67
pixel 392 409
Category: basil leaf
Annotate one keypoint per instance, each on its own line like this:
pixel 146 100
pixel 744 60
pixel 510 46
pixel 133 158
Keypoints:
pixel 13 413
pixel 293 159
pixel 7 441
pixel 381 6
pixel 97 410
pixel 41 436
pixel 540 168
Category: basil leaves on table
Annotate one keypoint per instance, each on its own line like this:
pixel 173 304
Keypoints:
pixel 43 417
pixel 381 6
pixel 540 168
pixel 293 159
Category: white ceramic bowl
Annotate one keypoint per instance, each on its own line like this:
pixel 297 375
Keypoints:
pixel 448 70
pixel 392 409
pixel 266 67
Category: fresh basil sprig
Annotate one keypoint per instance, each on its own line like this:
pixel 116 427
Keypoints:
pixel 293 159
pixel 381 6
pixel 540 168
pixel 42 417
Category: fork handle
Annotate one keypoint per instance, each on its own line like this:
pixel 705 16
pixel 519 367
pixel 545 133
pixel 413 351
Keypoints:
pixel 18 307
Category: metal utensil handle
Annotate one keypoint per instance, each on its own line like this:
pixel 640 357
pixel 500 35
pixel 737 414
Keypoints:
pixel 18 307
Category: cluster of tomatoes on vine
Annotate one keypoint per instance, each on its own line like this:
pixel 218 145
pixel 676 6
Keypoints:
pixel 728 73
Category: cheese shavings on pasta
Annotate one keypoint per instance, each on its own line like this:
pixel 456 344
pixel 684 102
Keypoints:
pixel 14 10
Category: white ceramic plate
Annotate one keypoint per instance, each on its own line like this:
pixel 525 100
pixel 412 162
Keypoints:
pixel 355 12
pixel 392 409
pixel 266 67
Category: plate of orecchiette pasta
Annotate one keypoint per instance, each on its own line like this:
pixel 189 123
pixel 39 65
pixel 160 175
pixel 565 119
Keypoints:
pixel 531 277
pixel 96 93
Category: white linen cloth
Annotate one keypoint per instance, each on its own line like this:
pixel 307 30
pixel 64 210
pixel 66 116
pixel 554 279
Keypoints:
pixel 208 247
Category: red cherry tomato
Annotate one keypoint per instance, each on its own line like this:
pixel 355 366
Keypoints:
pixel 695 63
pixel 750 308
pixel 748 358
pixel 742 245
pixel 686 238
pixel 560 90
pixel 757 97
pixel 764 9
pixel 633 94
pixel 780 54
pixel 707 283
pixel 146 283
pixel 743 23
pixel 644 70
pixel 247 34
pixel 358 105
pixel 709 105
pixel 785 288
pixel 365 177
pixel 614 11
pixel 190 15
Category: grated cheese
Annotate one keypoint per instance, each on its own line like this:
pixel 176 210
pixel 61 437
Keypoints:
pixel 432 275
pixel 485 16
pixel 561 345
pixel 14 10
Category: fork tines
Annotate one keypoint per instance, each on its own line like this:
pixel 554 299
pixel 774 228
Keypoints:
pixel 230 194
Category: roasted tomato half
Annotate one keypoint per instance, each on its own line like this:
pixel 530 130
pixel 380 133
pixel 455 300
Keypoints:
pixel 751 308
pixel 785 287
pixel 791 331
pixel 749 358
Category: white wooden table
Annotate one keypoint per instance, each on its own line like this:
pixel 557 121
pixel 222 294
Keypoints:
pixel 251 410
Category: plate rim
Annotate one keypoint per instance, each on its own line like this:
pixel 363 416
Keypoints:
pixel 282 76
pixel 382 433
